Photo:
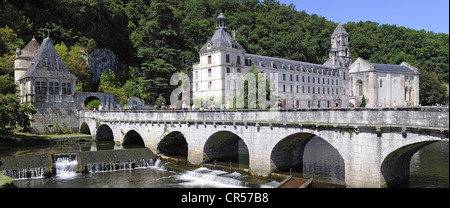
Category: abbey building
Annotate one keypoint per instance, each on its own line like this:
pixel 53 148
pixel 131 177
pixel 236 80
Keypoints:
pixel 336 83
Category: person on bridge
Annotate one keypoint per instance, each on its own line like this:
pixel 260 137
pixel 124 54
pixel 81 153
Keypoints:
pixel 278 104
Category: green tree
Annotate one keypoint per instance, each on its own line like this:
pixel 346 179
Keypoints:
pixel 77 65
pixel 159 49
pixel 431 91
pixel 363 102
pixel 12 112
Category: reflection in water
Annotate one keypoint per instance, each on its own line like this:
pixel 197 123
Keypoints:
pixel 429 167
pixel 323 160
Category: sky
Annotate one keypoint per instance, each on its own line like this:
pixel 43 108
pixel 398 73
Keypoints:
pixel 428 15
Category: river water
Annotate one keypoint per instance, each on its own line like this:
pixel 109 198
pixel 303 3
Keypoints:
pixel 429 168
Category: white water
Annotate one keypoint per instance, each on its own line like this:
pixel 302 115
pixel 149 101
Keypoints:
pixel 66 165
pixel 124 165
pixel 204 177
pixel 23 173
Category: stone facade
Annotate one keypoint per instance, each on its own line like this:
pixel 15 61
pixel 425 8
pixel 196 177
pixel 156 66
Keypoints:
pixel 383 85
pixel 298 84
pixel 375 144
pixel 45 81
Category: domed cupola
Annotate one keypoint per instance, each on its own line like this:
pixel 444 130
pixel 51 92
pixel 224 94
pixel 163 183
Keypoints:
pixel 221 22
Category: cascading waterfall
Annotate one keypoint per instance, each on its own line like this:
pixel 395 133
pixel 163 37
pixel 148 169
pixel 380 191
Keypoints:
pixel 66 164
pixel 204 177
pixel 123 165
pixel 24 173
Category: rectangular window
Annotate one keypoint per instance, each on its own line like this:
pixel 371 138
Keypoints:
pixel 238 60
pixel 209 85
pixel 50 88
pixel 314 80
pixel 284 88
pixel 37 87
pixel 303 79
pixel 291 78
pixel 209 60
pixel 227 58
pixel 43 88
pixel 56 88
pixel 303 89
pixel 308 79
pixel 297 88
pixel 297 78
pixel 228 70
pixel 69 89
pixel 64 88
pixel 196 74
pixel 291 88
pixel 284 77
pixel 209 72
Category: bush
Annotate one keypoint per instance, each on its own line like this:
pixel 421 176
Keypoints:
pixel 93 104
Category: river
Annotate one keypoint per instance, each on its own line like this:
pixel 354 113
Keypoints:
pixel 429 168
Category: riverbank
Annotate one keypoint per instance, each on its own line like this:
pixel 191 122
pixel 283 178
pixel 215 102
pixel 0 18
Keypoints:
pixel 16 138
pixel 6 181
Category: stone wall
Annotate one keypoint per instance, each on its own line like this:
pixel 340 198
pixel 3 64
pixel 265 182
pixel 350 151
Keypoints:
pixel 55 118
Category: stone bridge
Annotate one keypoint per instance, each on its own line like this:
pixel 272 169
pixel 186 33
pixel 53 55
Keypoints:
pixel 376 144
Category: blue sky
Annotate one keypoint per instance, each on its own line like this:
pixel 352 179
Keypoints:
pixel 429 15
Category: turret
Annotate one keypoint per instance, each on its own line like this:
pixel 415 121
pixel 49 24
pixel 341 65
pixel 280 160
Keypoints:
pixel 23 59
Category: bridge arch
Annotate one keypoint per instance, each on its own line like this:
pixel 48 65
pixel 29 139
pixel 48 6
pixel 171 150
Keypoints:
pixel 290 151
pixel 132 137
pixel 173 143
pixel 226 146
pixel 396 166
pixel 104 133
pixel 84 129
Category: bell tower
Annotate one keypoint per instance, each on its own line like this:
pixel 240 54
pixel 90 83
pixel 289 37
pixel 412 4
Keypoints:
pixel 340 52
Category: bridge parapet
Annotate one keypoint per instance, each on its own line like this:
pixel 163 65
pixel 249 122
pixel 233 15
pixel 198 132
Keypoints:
pixel 411 117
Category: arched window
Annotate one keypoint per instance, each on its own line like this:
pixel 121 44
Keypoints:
pixel 359 85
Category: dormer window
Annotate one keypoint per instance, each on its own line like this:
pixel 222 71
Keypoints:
pixel 208 46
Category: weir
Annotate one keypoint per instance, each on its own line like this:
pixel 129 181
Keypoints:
pixel 35 166
pixel 70 164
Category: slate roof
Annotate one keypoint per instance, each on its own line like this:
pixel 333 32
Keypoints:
pixel 339 30
pixel 221 38
pixel 48 64
pixel 30 49
pixel 389 67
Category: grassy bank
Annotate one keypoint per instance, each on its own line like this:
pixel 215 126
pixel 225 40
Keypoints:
pixel 5 181
pixel 10 137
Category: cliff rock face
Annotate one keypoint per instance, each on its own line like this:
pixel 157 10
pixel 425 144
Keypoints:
pixel 102 60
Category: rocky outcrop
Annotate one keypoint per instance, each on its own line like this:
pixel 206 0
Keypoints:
pixel 102 60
